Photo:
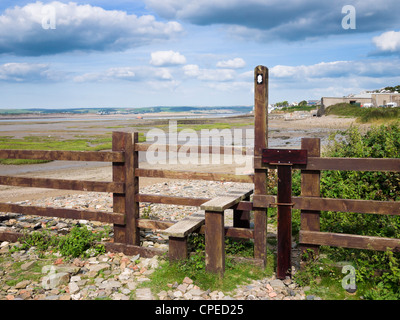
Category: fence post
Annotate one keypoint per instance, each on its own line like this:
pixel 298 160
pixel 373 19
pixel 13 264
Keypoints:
pixel 126 202
pixel 260 143
pixel 310 187
pixel 215 242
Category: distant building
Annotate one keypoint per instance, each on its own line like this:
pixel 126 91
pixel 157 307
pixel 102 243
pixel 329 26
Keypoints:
pixel 377 99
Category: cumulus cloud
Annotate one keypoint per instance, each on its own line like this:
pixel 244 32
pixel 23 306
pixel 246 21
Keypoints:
pixel 388 42
pixel 167 58
pixel 274 19
pixel 26 30
pixel 337 69
pixel 236 63
pixel 194 71
pixel 126 74
pixel 26 72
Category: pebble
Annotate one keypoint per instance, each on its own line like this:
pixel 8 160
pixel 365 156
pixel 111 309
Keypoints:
pixel 117 276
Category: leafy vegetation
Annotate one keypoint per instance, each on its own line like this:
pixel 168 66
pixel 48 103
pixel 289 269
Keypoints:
pixel 378 273
pixel 363 115
pixel 79 242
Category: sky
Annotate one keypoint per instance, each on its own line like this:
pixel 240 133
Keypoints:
pixel 127 54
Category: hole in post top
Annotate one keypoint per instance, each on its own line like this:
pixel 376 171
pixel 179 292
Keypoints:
pixel 259 79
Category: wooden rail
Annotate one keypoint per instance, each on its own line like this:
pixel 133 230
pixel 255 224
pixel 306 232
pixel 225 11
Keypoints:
pixel 125 190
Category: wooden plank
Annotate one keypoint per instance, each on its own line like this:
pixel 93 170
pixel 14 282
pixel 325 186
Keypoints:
pixel 231 232
pixel 184 201
pixel 98 186
pixel 132 232
pixel 222 203
pixel 260 143
pixel 348 205
pixel 310 187
pixel 349 241
pixel 101 216
pixel 186 225
pixel 341 164
pixel 178 248
pixel 215 242
pixel 101 156
pixel 10 236
pixel 284 226
pixel 339 205
pixel 189 175
pixel 293 156
pixel 154 224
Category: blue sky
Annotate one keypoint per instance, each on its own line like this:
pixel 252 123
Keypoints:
pixel 100 53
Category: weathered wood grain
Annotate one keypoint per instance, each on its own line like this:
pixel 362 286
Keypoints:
pixel 97 186
pixel 101 216
pixel 102 156
pixel 185 226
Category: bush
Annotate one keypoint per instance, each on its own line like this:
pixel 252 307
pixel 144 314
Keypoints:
pixel 80 242
pixel 380 270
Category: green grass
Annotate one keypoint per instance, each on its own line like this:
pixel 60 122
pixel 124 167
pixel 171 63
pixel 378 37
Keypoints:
pixel 80 143
pixel 299 108
pixel 363 115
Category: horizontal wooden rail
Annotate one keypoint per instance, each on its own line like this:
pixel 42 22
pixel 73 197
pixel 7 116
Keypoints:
pixel 195 148
pixel 341 164
pixel 189 175
pixel 327 204
pixel 231 232
pixel 106 217
pixel 98 186
pixel 184 201
pixel 349 241
pixel 101 156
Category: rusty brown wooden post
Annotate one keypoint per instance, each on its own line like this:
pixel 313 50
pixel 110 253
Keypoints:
pixel 215 242
pixel 260 143
pixel 310 187
pixel 241 218
pixel 284 221
pixel 126 202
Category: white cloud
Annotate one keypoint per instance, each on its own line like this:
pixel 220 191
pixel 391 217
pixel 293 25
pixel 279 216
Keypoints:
pixel 337 69
pixel 77 27
pixel 167 58
pixel 388 41
pixel 26 72
pixel 194 71
pixel 236 63
pixel 273 19
pixel 127 74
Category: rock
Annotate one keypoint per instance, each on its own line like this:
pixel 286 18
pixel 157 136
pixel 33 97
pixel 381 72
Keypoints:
pixel 27 265
pixel 187 280
pixel 53 280
pixel 73 288
pixel 22 284
pixel 277 284
pixel 143 294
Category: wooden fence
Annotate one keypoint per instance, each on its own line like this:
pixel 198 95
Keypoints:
pixel 125 189
pixel 126 196
pixel 311 204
